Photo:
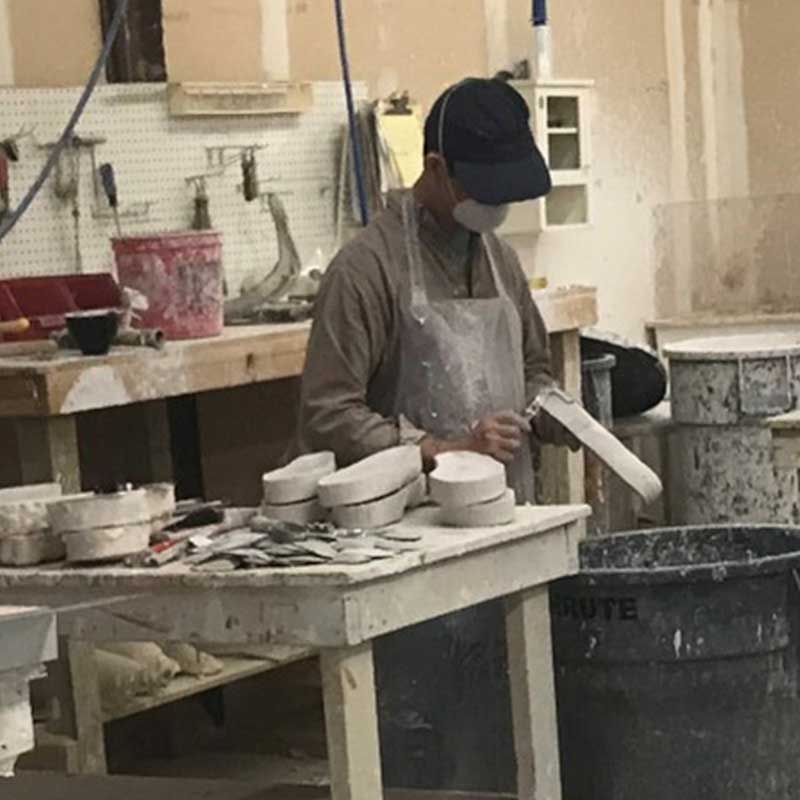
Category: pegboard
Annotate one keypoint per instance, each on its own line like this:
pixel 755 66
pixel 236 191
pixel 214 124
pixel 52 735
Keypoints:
pixel 153 155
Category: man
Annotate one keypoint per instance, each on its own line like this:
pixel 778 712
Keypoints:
pixel 425 332
pixel 425 329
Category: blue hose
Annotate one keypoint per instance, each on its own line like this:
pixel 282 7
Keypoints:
pixel 539 13
pixel 358 160
pixel 69 131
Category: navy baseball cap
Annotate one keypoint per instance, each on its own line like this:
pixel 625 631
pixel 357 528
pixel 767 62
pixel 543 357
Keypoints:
pixel 482 128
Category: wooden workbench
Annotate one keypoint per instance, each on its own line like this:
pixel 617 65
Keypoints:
pixel 43 393
pixel 52 402
pixel 340 611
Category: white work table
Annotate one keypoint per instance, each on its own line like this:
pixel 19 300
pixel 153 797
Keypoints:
pixel 340 610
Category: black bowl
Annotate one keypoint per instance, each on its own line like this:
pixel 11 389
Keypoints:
pixel 94 331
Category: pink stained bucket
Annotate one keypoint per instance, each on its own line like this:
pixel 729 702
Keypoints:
pixel 180 274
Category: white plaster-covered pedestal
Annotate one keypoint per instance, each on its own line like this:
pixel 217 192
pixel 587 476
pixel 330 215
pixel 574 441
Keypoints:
pixel 27 641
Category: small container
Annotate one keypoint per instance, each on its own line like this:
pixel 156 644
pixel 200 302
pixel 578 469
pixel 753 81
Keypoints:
pixel 94 331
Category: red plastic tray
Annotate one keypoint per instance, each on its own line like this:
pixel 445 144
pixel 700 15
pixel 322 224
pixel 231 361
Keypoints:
pixel 44 301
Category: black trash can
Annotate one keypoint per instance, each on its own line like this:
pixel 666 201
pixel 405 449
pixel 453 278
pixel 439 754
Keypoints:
pixel 444 704
pixel 676 666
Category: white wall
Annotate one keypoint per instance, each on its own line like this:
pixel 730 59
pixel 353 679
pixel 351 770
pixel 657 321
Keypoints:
pixel 630 147
pixel 275 39
pixel 670 127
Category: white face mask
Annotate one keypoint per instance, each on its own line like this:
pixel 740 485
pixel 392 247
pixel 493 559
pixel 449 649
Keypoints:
pixel 479 218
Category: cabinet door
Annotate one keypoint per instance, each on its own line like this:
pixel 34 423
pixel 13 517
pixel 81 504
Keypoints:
pixel 560 123
pixel 562 128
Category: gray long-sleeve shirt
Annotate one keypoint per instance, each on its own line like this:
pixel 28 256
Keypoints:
pixel 356 332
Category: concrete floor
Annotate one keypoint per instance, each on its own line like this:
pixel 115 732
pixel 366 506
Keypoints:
pixel 51 787
pixel 266 731
pixel 260 769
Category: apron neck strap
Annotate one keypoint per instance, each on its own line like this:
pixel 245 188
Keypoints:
pixel 419 291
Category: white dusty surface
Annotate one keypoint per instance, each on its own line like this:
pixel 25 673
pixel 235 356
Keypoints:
pixel 752 345
pixel 375 477
pixel 16 717
pixel 28 550
pixel 300 513
pixel 463 478
pixel 495 512
pixel 101 544
pixel 592 435
pixel 375 514
pixel 437 543
pixel 19 519
pixel 417 493
pixel 38 491
pixel 297 482
pixel 160 499
pixel 100 511
pixel 28 517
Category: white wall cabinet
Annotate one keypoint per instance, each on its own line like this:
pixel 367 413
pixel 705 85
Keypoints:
pixel 561 122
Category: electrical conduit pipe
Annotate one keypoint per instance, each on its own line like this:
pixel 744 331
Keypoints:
pixel 542 40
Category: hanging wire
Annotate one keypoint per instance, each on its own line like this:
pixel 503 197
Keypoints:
pixel 66 137
pixel 358 160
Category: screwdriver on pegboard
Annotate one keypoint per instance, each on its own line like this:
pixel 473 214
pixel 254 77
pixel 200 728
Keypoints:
pixel 5 187
pixel 109 181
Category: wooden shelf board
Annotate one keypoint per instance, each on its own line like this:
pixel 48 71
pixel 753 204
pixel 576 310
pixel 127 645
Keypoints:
pixel 184 686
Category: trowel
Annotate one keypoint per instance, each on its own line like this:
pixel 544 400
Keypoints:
pixel 594 437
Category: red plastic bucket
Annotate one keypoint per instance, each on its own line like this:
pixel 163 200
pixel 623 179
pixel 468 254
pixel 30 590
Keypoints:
pixel 180 274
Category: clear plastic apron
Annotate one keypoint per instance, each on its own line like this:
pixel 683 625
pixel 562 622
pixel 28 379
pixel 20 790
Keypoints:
pixel 460 359
pixel 443 693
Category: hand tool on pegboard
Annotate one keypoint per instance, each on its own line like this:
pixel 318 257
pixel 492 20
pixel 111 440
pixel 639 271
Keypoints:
pixel 201 221
pixel 5 186
pixel 249 175
pixel 109 181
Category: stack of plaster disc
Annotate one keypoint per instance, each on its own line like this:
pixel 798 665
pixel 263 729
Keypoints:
pixel 290 493
pixel 26 538
pixel 161 501
pixel 471 489
pixel 103 527
pixel 375 492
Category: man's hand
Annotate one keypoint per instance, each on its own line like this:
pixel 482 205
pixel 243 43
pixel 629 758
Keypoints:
pixel 499 435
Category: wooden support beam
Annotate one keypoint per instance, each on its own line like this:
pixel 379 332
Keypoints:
pixel 530 659
pixel 74 682
pixel 48 451
pixel 159 452
pixel 351 720
pixel 562 472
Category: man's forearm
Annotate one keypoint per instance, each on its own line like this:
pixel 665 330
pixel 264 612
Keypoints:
pixel 352 432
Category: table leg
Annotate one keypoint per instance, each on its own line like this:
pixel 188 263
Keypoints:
pixel 74 682
pixel 48 451
pixel 562 473
pixel 351 721
pixel 530 659
pixel 159 451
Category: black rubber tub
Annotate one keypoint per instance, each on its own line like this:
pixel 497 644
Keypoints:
pixel 676 666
